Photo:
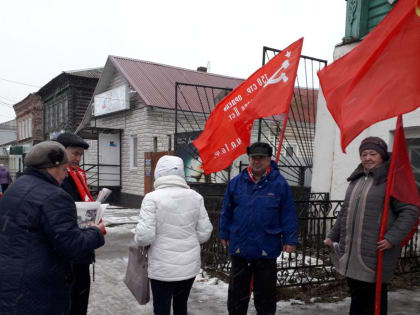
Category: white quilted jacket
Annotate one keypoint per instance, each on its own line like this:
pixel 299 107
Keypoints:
pixel 174 222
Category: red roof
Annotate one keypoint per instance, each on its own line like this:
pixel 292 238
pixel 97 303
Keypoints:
pixel 155 83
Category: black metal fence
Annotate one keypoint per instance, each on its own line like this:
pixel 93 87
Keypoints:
pixel 311 263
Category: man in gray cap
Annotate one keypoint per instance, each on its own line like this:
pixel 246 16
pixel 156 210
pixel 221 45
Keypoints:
pixel 76 185
pixel 39 236
pixel 258 221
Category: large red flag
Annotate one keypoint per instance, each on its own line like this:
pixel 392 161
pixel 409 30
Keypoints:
pixel 402 182
pixel 378 79
pixel 401 185
pixel 266 92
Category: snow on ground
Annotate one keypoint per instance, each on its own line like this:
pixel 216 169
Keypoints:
pixel 109 295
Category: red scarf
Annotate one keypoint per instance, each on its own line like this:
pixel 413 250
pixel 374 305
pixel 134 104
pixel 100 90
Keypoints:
pixel 79 178
pixel 251 175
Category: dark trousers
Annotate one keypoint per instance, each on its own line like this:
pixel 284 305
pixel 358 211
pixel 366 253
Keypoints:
pixel 363 297
pixel 264 272
pixel 163 293
pixel 79 297
pixel 4 187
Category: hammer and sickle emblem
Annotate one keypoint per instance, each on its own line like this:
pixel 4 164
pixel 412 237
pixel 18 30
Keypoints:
pixel 275 78
pixel 417 8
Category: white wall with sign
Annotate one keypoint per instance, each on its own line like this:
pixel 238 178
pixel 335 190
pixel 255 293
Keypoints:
pixel 111 101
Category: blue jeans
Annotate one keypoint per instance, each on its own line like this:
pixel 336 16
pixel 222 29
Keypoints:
pixel 163 293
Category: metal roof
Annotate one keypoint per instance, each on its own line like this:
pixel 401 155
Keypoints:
pixel 155 83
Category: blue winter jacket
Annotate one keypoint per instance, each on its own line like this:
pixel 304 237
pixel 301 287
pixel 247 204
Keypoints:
pixel 258 218
pixel 39 236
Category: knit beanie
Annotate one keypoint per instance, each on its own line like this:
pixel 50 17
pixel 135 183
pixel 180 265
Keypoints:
pixel 375 143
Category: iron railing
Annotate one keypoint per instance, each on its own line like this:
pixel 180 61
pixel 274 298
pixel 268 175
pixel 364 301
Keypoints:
pixel 311 263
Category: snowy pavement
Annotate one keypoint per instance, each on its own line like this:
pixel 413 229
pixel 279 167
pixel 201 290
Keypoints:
pixel 109 295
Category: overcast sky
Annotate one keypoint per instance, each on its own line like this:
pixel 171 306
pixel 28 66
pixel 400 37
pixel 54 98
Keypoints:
pixel 41 38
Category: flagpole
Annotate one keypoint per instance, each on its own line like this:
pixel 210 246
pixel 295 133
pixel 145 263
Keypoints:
pixel 383 227
pixel 286 116
pixel 381 252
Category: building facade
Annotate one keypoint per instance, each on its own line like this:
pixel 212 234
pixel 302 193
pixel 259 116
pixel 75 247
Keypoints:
pixel 7 140
pixel 29 120
pixel 65 100
pixel 331 166
pixel 133 108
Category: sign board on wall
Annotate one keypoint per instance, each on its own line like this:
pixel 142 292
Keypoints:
pixel 111 101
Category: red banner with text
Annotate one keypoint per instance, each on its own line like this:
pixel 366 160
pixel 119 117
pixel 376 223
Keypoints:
pixel 268 91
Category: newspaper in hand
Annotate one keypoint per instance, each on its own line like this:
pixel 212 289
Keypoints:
pixel 103 195
pixel 89 212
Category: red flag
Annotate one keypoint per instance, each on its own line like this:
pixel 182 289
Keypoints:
pixel 402 186
pixel 402 182
pixel 365 86
pixel 266 92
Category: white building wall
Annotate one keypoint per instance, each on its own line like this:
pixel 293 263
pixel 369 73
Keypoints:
pixel 331 165
pixel 132 122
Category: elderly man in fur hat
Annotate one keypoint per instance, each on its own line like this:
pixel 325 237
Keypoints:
pixel 39 236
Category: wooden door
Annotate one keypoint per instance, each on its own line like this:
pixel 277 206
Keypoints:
pixel 150 161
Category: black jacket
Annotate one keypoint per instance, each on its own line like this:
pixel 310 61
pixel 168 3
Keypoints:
pixel 70 187
pixel 39 236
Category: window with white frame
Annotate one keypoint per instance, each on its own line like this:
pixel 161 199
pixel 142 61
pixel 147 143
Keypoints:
pixel 25 129
pixel 61 112
pixel 51 116
pixel 133 151
pixel 30 127
pixel 20 130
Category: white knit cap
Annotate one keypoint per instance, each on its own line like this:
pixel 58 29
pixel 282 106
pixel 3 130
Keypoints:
pixel 169 165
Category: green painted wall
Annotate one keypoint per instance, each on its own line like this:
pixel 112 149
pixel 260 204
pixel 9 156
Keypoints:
pixel 362 16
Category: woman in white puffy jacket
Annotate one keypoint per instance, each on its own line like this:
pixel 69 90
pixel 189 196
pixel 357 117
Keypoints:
pixel 174 222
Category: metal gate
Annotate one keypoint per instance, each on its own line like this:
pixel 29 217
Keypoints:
pixel 194 103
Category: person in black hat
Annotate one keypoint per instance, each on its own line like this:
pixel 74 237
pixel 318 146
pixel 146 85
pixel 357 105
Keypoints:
pixel 354 236
pixel 40 236
pixel 76 185
pixel 257 222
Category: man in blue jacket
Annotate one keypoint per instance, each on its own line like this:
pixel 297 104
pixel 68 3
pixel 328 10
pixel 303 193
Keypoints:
pixel 258 221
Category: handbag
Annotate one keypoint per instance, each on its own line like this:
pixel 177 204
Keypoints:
pixel 136 277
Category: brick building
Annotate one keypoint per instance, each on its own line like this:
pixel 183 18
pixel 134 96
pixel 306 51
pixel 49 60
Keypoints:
pixel 133 114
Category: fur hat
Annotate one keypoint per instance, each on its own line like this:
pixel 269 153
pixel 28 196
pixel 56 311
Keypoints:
pixel 259 148
pixel 71 140
pixel 375 143
pixel 46 154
